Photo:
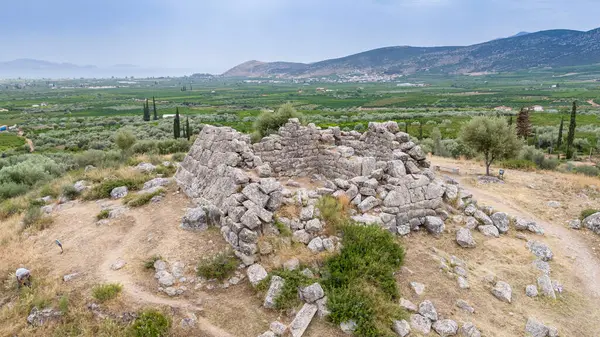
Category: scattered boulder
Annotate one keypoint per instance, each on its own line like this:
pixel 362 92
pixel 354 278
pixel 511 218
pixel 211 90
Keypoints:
pixel 470 210
pixel 274 290
pixel 291 264
pixel 156 182
pixel 40 317
pixel 531 291
pixel 311 293
pixel 313 226
pixel 502 291
pixel 463 283
pixel 80 186
pixel 483 218
pixel 195 219
pixel 70 277
pixel 489 230
pixel 316 245
pixel 119 192
pixel 278 328
pixel 302 319
pixel 464 238
pixel 445 327
pixel 501 221
pixel 575 224
pixel 408 305
pixel 348 327
pixel 434 225
pixel 427 309
pixel 546 288
pixel 535 328
pixel 401 328
pixel 118 264
pixel 462 304
pixel 541 250
pixel 471 223
pixel 256 273
pixel 469 330
pixel 542 266
pixel 301 236
pixel 146 167
pixel 420 324
pixel 553 204
pixel 592 223
pixel 165 279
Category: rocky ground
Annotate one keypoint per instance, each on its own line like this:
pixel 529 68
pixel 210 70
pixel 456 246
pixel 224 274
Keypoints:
pixel 499 284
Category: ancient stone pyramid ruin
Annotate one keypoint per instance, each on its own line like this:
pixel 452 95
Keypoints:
pixel 237 183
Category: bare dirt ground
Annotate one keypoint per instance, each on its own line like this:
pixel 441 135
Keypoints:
pixel 594 104
pixel 237 311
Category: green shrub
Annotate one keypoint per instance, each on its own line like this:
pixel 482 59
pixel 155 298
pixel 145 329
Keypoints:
pixel 360 281
pixel 70 192
pixel 95 158
pixel 269 122
pixel 105 292
pixel 587 212
pixel 9 208
pixel 173 146
pixel 518 164
pixel 63 304
pixel 333 211
pixel 32 215
pixel 145 147
pixel 137 200
pixel 549 164
pixel 590 171
pixel 11 190
pixel 149 264
pixel 48 190
pixel 218 267
pixel 151 323
pixel 166 171
pixel 104 214
pixel 31 170
pixel 283 229
pixel 103 189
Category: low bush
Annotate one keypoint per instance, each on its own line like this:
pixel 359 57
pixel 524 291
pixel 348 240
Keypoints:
pixel 218 267
pixel 518 164
pixel 149 264
pixel 104 214
pixel 106 292
pixel 360 282
pixel 151 323
pixel 173 146
pixel 178 157
pixel 334 211
pixel 137 200
pixel 269 122
pixel 590 171
pixel 70 192
pixel 11 207
pixel 587 212
pixel 49 190
pixel 166 171
pixel 145 147
pixel 11 190
pixel 103 189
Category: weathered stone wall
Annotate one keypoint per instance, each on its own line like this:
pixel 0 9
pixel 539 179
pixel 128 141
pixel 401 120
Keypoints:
pixel 380 171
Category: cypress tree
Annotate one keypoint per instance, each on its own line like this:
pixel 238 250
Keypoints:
pixel 187 128
pixel 176 125
pixel 523 123
pixel 560 132
pixel 510 121
pixel 420 130
pixel 154 106
pixel 406 127
pixel 571 135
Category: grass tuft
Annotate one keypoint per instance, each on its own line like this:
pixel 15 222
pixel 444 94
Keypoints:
pixel 140 199
pixel 149 264
pixel 104 214
pixel 106 292
pixel 218 267
pixel 587 212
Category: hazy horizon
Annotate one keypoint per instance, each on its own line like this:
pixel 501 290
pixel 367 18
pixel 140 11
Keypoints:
pixel 213 36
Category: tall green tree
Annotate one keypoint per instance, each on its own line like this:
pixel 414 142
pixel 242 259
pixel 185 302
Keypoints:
pixel 420 130
pixel 154 106
pixel 188 131
pixel 510 121
pixel 523 123
pixel 176 124
pixel 571 135
pixel 560 132
pixel 492 137
pixel 146 111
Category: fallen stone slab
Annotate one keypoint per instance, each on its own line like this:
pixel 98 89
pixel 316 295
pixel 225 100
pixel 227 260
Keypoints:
pixel 275 289
pixel 302 320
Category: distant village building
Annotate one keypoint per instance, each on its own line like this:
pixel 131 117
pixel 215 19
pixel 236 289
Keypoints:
pixel 44 104
pixel 320 89
pixel 3 110
pixel 168 116
pixel 537 108
pixel 35 106
pixel 503 108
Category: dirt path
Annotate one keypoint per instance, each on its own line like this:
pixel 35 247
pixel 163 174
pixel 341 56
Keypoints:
pixel 594 104
pixel 137 293
pixel 27 140
pixel 570 244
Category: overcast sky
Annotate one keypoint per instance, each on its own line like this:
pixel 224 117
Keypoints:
pixel 214 35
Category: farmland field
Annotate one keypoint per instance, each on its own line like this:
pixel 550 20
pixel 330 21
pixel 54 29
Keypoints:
pixel 83 114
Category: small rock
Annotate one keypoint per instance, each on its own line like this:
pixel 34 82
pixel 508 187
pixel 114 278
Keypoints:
pixel 501 221
pixel 278 328
pixel 434 225
pixel 420 323
pixel 348 327
pixel 316 245
pixel 264 171
pixel 445 327
pixel 70 277
pixel 471 223
pixel 540 250
pixel 311 293
pixel 575 224
pixel 469 330
pixel 40 317
pixel 462 304
pixel 531 290
pixel 535 328
pixel 502 291
pixel 119 192
pixel 275 289
pixel 256 273
pixel 408 305
pixel 322 310
pixel 265 247
pixel 301 236
pixel 554 204
pixel 545 285
pixel 427 309
pixel 165 279
pixel 463 283
pixel 308 273
pixel 542 266
pixel 188 322
pixel 465 239
pixel 267 334
pixel 418 288
pixel 489 230
pixel 401 328
pixel 118 265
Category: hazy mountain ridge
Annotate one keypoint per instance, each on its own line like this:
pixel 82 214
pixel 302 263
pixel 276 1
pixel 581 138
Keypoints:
pixel 551 48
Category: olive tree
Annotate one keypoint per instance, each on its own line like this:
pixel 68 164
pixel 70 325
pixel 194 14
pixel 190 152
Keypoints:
pixel 492 137
pixel 125 140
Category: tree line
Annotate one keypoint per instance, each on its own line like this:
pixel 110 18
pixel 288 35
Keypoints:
pixel 178 132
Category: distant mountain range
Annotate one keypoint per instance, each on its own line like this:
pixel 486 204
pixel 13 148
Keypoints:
pixel 550 48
